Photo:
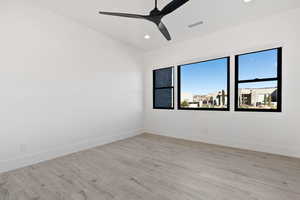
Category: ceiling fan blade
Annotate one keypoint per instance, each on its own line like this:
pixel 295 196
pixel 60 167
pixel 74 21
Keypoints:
pixel 124 15
pixel 163 29
pixel 175 4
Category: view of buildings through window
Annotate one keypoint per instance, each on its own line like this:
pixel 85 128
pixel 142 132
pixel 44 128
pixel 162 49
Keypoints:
pixel 204 85
pixel 258 80
pixel 258 95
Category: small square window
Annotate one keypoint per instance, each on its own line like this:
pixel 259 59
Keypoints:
pixel 163 98
pixel 258 65
pixel 163 77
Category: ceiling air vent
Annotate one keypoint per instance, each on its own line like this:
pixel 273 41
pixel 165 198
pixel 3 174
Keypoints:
pixel 195 24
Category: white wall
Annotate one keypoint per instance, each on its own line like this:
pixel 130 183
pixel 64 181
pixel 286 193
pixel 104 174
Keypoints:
pixel 63 87
pixel 269 132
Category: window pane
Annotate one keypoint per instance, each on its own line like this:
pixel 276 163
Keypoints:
pixel 259 95
pixel 258 65
pixel 164 77
pixel 163 98
pixel 204 84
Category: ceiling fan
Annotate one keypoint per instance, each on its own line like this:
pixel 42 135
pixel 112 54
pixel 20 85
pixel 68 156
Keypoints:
pixel 155 15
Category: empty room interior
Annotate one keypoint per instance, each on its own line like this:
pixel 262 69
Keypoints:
pixel 149 100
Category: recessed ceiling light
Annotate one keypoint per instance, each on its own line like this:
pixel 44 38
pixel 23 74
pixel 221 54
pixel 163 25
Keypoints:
pixel 247 1
pixel 147 37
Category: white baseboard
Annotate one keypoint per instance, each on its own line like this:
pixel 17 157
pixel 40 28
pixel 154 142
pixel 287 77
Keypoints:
pixel 30 159
pixel 278 150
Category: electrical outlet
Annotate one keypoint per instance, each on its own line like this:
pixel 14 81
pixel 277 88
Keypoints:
pixel 23 148
pixel 205 130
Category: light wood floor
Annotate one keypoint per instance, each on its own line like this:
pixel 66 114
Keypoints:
pixel 149 167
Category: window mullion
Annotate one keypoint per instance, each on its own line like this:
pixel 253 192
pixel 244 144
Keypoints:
pixel 258 80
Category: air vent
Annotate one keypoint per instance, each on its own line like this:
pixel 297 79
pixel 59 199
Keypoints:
pixel 195 24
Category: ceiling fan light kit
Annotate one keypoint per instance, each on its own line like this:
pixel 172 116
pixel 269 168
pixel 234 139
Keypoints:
pixel 154 16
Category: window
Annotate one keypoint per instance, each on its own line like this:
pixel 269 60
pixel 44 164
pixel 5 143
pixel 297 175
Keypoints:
pixel 163 88
pixel 204 85
pixel 258 81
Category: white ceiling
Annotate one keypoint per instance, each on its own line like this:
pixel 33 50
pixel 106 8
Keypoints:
pixel 216 14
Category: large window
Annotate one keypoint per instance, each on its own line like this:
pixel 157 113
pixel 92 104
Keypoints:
pixel 163 88
pixel 258 81
pixel 204 85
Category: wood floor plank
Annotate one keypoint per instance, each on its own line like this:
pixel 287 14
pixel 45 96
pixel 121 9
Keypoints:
pixel 148 167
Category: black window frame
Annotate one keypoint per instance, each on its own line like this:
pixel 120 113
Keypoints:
pixel 158 88
pixel 203 109
pixel 278 79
